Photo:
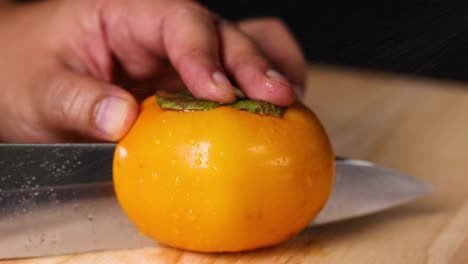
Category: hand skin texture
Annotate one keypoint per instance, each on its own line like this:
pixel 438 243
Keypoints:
pixel 76 70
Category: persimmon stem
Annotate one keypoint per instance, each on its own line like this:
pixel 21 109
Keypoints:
pixel 185 101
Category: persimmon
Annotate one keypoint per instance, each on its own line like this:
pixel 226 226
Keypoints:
pixel 223 178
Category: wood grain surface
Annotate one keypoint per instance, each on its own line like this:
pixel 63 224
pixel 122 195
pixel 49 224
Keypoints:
pixel 414 125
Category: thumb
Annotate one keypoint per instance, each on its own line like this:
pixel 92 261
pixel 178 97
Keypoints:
pixel 92 108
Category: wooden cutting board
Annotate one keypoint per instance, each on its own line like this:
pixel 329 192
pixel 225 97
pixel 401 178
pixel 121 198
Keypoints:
pixel 417 126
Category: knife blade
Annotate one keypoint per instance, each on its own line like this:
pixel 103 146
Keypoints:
pixel 58 199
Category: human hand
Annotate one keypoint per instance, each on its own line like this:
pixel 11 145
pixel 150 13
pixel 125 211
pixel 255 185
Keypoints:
pixel 74 70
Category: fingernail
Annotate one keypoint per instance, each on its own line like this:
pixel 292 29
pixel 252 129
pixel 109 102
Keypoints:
pixel 299 91
pixel 272 74
pixel 111 114
pixel 223 83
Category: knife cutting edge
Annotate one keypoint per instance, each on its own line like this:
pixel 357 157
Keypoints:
pixel 58 199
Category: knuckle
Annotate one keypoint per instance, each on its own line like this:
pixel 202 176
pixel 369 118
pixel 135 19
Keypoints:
pixel 118 23
pixel 192 56
pixel 191 9
pixel 190 12
pixel 66 102
pixel 250 60
pixel 243 47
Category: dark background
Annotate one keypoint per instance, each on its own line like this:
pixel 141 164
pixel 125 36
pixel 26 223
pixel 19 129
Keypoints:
pixel 428 38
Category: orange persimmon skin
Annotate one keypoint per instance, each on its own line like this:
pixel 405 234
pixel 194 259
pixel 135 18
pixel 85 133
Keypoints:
pixel 223 180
